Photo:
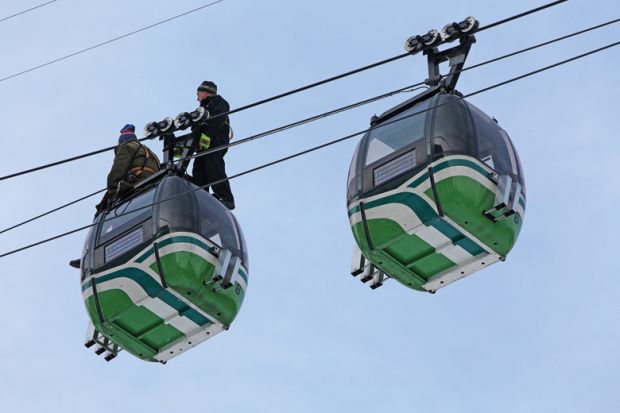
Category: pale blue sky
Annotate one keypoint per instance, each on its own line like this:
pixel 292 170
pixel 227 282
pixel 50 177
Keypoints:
pixel 538 333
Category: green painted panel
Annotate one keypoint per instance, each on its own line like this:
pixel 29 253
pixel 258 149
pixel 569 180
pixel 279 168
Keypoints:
pixel 143 333
pixel 392 260
pixel 138 320
pixel 397 270
pixel 422 209
pixel 359 235
pixel 113 303
pixel 92 310
pixel 119 335
pixel 463 199
pixel 190 275
pixel 384 231
pixel 154 289
pixel 431 265
pixel 408 258
pixel 161 336
pixel 444 164
pixel 461 162
pixel 409 248
pixel 129 342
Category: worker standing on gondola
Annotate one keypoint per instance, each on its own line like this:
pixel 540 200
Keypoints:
pixel 133 162
pixel 212 134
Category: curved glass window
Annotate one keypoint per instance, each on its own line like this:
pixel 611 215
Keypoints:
pixel 136 210
pixel 397 132
pixel 494 146
pixel 85 263
pixel 354 179
pixel 243 245
pixel 218 225
pixel 451 127
pixel 176 208
pixel 514 158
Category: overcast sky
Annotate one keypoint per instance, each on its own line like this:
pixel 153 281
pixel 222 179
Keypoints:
pixel 537 333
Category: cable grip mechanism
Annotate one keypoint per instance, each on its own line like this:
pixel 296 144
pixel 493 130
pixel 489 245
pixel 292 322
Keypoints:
pixel 449 33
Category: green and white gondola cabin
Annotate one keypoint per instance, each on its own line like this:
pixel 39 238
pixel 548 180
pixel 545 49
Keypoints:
pixel 435 192
pixel 164 278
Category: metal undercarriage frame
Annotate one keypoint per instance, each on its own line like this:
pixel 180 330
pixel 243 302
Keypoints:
pixel 366 271
pixel 104 345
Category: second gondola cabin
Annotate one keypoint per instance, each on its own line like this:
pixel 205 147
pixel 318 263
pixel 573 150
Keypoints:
pixel 435 192
pixel 435 189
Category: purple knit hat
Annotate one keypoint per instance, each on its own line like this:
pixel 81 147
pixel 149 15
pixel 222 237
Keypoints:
pixel 128 133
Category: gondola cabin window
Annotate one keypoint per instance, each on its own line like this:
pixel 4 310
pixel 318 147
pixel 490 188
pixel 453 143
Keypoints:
pixel 126 216
pixel 451 127
pixel 217 225
pixel 176 206
pixel 397 132
pixel 492 148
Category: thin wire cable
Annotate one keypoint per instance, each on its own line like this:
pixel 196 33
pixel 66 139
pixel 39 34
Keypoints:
pixel 335 111
pixel 108 41
pixel 316 148
pixel 539 45
pixel 475 66
pixel 27 10
pixel 518 16
pixel 312 85
pixel 250 138
pixel 314 118
pixel 263 101
pixel 219 148
pixel 51 211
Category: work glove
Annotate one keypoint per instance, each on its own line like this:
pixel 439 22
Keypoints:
pixel 205 142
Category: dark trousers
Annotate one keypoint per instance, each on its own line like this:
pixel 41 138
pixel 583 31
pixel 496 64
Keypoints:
pixel 211 168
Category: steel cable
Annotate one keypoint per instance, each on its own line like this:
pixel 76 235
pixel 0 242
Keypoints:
pixel 150 26
pixel 270 99
pixel 335 111
pixel 27 10
pixel 318 147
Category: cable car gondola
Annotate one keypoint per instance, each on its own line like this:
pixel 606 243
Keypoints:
pixel 162 270
pixel 435 189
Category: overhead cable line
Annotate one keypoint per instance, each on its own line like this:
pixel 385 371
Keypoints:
pixel 150 26
pixel 333 112
pixel 316 148
pixel 279 96
pixel 518 16
pixel 52 211
pixel 354 105
pixel 311 119
pixel 250 138
pixel 26 11
pixel 322 82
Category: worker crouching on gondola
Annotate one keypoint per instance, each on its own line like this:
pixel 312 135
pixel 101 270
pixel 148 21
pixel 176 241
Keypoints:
pixel 133 162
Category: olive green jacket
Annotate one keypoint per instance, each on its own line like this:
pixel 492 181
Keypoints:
pixel 133 162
